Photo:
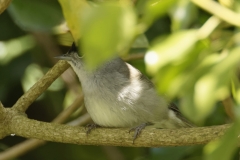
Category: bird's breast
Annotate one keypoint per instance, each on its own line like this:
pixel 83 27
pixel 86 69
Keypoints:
pixel 110 114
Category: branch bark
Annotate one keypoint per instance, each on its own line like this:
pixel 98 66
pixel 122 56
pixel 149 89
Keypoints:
pixel 31 144
pixel 24 127
pixel 62 117
pixel 2 121
pixel 38 88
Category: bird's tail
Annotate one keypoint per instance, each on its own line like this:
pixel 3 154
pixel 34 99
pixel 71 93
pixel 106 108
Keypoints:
pixel 182 121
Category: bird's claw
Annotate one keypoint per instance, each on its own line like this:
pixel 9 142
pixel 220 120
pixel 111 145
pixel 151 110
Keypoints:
pixel 137 130
pixel 90 127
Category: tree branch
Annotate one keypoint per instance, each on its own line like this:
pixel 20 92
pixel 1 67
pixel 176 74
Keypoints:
pixel 52 50
pixel 27 128
pixel 31 144
pixel 2 121
pixel 4 4
pixel 219 11
pixel 38 88
pixel 1 108
pixel 62 117
pixel 136 56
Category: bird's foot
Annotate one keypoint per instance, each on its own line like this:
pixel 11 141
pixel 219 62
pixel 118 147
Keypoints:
pixel 90 127
pixel 137 130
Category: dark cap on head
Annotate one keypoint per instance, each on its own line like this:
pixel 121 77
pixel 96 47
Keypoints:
pixel 73 48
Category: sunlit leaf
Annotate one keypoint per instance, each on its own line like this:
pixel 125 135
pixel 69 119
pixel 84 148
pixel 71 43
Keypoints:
pixel 173 49
pixel 227 144
pixel 214 85
pixel 33 73
pixel 186 80
pixel 65 39
pixel 15 47
pixel 72 11
pixel 184 85
pixel 106 30
pixel 236 90
pixel 183 14
pixel 155 9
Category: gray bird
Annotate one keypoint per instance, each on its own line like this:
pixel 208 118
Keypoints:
pixel 118 95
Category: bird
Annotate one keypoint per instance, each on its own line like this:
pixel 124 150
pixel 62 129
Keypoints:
pixel 116 94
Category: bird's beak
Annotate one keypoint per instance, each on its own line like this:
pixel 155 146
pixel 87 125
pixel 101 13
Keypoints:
pixel 65 57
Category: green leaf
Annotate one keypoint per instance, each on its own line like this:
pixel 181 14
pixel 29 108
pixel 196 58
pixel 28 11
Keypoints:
pixel 214 85
pixel 235 86
pixel 72 11
pixel 35 15
pixel 225 147
pixel 14 48
pixel 183 13
pixel 171 50
pixel 156 8
pixel 140 42
pixel 106 30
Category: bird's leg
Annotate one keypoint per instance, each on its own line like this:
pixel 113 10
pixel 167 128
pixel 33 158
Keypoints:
pixel 90 127
pixel 138 129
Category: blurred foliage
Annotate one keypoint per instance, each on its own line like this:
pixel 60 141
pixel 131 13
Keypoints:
pixel 191 56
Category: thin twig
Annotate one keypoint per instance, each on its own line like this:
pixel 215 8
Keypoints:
pixel 209 26
pixel 62 117
pixel 4 4
pixel 131 57
pixel 228 106
pixel 52 50
pixel 219 11
pixel 38 88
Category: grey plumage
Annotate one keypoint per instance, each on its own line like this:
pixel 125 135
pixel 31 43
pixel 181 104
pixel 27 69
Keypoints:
pixel 118 95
